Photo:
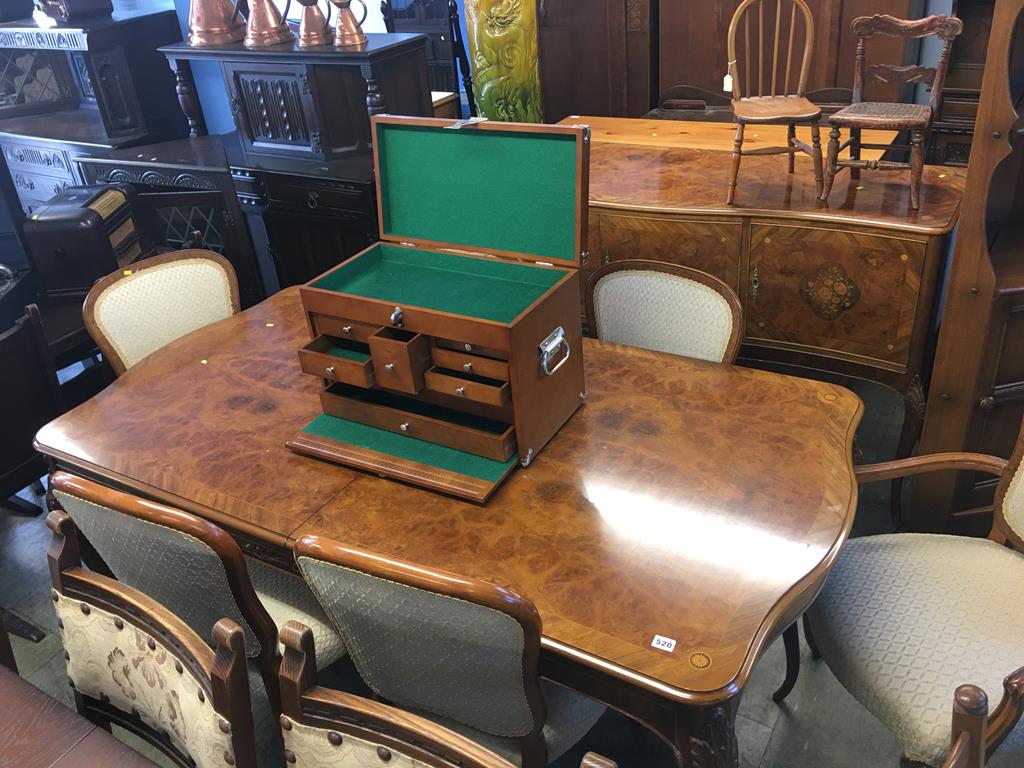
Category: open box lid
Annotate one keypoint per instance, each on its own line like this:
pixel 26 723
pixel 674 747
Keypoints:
pixel 509 189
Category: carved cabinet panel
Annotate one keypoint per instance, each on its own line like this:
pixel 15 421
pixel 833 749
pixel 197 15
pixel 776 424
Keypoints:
pixel 852 294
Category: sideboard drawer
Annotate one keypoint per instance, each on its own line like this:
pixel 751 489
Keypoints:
pixel 844 294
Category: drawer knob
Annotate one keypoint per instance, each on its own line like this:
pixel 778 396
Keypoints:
pixel 329 371
pixel 389 366
pixel 396 317
pixel 347 329
pixel 467 367
pixel 468 347
pixel 404 427
pixel 460 391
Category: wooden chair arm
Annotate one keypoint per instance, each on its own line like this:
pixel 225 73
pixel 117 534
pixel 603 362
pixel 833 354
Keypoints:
pixel 935 462
pixel 590 760
pixel 970 719
pixel 1006 715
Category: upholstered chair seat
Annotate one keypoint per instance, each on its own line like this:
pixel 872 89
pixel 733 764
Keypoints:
pixel 665 307
pixel 904 619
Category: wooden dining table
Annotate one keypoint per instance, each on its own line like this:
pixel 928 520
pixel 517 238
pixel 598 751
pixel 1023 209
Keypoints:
pixel 684 517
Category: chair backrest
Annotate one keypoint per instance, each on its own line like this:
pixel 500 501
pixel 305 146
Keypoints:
pixel 1009 498
pixel 322 726
pixel 432 641
pixel 767 61
pixel 665 307
pixel 132 660
pixel 135 311
pixel 31 398
pixel 945 27
pixel 190 566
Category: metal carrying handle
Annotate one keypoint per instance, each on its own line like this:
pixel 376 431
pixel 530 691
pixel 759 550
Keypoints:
pixel 549 347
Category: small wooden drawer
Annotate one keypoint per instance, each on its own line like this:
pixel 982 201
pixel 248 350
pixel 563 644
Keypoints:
pixel 338 360
pixel 343 329
pixel 423 421
pixel 469 386
pixel 399 358
pixel 962 110
pixel 460 361
pixel 473 349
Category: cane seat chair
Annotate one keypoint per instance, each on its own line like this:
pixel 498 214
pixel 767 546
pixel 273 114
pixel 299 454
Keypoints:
pixel 135 311
pixel 864 115
pixel 906 622
pixel 765 93
pixel 665 307
pixel 461 652
pixel 325 728
pixel 197 571
pixel 134 663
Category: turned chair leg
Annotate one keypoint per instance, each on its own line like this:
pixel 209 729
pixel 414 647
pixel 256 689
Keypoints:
pixel 830 163
pixel 816 154
pixel 855 151
pixel 737 153
pixel 791 143
pixel 791 639
pixel 916 167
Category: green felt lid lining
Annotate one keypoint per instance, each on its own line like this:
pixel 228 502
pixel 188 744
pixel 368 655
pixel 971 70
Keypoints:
pixel 409 448
pixel 480 189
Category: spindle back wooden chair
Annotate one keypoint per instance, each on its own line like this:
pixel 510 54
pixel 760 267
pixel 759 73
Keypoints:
pixel 766 98
pixel 916 118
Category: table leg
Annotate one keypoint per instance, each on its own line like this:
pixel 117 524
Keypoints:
pixel 705 736
pixel 374 98
pixel 187 98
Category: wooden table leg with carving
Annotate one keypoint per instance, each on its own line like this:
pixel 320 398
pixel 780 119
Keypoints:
pixel 188 99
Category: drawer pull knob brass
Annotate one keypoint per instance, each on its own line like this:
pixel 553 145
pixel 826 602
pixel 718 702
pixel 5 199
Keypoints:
pixel 460 391
pixel 347 329
pixel 329 371
pixel 389 366
pixel 467 367
pixel 404 427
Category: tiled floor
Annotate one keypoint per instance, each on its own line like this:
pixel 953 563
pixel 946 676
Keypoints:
pixel 819 726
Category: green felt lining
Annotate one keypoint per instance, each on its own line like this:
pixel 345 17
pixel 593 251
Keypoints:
pixel 419 408
pixel 409 448
pixel 349 350
pixel 489 289
pixel 489 190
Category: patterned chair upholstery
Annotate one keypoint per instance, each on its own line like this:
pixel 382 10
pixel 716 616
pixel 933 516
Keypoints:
pixel 665 307
pixel 324 728
pixel 905 619
pixel 197 571
pixel 131 313
pixel 132 661
pixel 460 652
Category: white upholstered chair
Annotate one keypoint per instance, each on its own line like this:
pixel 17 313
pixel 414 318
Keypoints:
pixel 135 311
pixel 461 652
pixel 198 572
pixel 665 307
pixel 908 621
pixel 325 728
pixel 133 662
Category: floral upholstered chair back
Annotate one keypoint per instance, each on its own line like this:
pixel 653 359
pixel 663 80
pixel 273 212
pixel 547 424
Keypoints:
pixel 131 659
pixel 503 54
pixel 137 310
pixel 666 308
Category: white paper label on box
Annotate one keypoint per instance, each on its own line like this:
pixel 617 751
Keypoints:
pixel 666 644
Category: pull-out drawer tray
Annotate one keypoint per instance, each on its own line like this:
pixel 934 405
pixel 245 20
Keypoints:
pixel 468 386
pixel 338 360
pixel 434 423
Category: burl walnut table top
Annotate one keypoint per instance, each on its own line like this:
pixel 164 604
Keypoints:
pixel 675 166
pixel 696 501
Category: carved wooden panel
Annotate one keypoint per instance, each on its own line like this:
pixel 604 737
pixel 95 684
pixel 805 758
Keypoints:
pixel 851 294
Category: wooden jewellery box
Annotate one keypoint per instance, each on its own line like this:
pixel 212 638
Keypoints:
pixel 451 350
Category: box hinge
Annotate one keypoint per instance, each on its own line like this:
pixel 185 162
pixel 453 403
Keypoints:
pixel 468 122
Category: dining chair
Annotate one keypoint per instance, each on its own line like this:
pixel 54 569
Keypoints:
pixel 135 311
pixel 886 116
pixel 763 93
pixel 133 663
pixel 922 627
pixel 333 729
pixel 665 307
pixel 197 571
pixel 456 650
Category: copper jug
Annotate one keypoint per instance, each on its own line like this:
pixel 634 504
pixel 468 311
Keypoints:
pixel 347 31
pixel 215 22
pixel 266 25
pixel 314 29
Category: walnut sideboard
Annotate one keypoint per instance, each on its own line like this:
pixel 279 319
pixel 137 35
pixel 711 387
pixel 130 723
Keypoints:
pixel 848 288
